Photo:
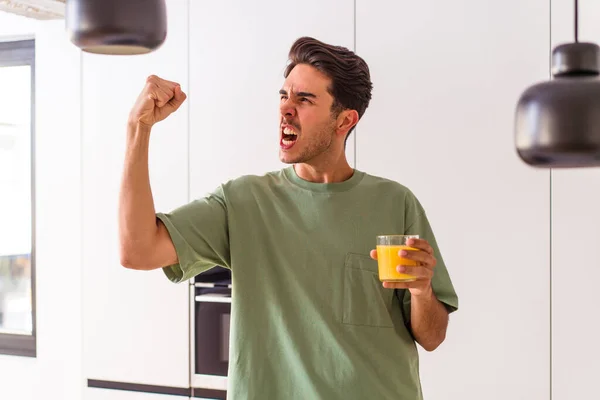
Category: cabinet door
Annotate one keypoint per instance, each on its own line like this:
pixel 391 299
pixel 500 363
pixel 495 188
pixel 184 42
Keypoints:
pixel 238 53
pixel 575 249
pixel 136 324
pixel 447 76
pixel 56 372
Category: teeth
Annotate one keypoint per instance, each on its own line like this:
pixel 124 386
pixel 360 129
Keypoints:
pixel 287 142
pixel 289 131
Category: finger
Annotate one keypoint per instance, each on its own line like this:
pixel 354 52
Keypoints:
pixel 162 89
pixel 418 272
pixel 420 244
pixel 420 256
pixel 158 94
pixel 152 79
pixel 164 82
pixel 373 254
pixel 177 99
pixel 398 285
pixel 158 80
pixel 158 97
pixel 171 84
pixel 165 95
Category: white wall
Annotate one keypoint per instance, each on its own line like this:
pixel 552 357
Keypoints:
pixel 136 324
pixel 446 81
pixel 236 66
pixel 57 369
pixel 575 250
pixel 447 78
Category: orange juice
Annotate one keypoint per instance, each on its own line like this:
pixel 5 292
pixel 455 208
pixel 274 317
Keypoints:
pixel 388 259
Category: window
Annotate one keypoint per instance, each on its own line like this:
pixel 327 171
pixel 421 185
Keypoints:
pixel 17 199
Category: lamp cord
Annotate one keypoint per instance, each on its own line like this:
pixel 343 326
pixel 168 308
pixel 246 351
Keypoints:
pixel 576 21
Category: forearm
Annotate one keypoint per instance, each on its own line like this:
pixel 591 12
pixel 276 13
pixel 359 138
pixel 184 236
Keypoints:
pixel 429 320
pixel 137 217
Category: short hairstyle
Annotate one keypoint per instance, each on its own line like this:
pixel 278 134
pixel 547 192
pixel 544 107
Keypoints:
pixel 351 84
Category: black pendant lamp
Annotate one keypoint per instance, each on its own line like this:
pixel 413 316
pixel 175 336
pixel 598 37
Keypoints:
pixel 116 26
pixel 558 122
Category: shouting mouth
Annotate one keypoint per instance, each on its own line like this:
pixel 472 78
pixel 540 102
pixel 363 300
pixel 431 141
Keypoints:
pixel 288 137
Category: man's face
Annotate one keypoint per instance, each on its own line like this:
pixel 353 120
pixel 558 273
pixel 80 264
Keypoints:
pixel 307 126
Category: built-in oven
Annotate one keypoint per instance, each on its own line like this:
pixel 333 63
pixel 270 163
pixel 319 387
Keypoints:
pixel 211 311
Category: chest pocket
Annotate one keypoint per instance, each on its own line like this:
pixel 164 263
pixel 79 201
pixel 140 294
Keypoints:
pixel 365 301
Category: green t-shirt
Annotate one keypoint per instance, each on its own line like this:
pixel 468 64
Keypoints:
pixel 310 318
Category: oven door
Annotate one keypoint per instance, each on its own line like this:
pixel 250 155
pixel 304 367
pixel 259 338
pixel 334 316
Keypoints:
pixel 212 310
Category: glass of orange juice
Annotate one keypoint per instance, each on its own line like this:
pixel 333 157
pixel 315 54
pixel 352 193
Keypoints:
pixel 388 257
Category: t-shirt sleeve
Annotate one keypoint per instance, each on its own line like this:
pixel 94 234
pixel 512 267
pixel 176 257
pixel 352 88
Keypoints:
pixel 441 283
pixel 199 231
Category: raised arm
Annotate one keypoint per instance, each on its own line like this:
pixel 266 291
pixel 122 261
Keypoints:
pixel 144 241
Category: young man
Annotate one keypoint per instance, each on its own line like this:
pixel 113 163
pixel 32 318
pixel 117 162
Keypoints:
pixel 310 318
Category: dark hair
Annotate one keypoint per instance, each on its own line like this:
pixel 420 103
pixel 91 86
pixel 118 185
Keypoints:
pixel 350 78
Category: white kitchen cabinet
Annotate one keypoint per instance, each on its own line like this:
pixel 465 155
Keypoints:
pixel 447 77
pixel 109 394
pixel 136 324
pixel 575 250
pixel 238 53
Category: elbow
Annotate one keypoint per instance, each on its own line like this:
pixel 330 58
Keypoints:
pixel 130 261
pixel 138 262
pixel 429 347
pixel 126 258
pixel 127 262
pixel 135 265
pixel 434 344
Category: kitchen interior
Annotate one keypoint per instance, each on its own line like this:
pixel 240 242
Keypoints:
pixel 473 108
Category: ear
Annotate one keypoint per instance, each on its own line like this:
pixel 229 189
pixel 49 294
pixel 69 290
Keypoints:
pixel 346 121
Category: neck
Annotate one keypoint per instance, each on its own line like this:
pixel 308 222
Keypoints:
pixel 325 172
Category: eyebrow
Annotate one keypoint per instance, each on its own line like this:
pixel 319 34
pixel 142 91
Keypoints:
pixel 300 94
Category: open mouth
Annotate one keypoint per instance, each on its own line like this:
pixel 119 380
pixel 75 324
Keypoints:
pixel 288 138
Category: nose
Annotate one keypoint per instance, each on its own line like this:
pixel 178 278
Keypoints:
pixel 287 108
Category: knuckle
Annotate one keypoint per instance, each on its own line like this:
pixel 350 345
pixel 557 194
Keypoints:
pixel 151 86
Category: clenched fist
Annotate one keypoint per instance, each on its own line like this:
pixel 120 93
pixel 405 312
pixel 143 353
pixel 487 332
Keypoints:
pixel 157 101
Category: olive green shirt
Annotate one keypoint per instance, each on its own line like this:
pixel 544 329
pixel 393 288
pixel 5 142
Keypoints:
pixel 310 318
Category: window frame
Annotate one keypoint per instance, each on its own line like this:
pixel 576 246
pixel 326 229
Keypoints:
pixel 14 53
